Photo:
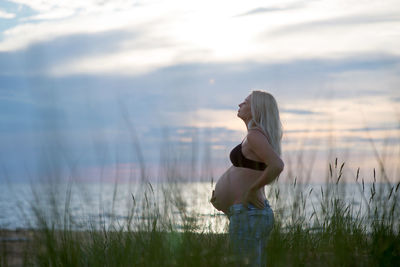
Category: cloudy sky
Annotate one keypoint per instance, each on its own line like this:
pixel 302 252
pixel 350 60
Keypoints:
pixel 94 88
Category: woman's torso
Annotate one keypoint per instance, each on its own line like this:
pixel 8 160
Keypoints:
pixel 236 181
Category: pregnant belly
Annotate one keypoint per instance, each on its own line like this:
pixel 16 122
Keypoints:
pixel 223 193
pixel 231 186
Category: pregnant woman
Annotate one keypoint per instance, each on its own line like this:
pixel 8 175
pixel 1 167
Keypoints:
pixel 256 162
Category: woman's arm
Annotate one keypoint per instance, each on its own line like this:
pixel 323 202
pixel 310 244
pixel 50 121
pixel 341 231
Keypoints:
pixel 259 144
pixel 263 149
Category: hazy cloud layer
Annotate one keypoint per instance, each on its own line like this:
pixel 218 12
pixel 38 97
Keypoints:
pixel 119 83
pixel 80 114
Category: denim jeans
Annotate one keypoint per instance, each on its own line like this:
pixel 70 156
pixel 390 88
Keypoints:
pixel 249 230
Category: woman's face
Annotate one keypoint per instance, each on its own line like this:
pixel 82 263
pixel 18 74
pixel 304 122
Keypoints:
pixel 244 111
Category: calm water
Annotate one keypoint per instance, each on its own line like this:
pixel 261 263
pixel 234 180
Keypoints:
pixel 103 204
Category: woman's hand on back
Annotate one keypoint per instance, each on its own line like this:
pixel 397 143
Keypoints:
pixel 250 196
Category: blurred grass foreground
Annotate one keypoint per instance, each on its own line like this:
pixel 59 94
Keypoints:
pixel 160 228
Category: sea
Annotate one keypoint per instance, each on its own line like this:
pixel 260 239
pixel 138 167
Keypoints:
pixel 135 206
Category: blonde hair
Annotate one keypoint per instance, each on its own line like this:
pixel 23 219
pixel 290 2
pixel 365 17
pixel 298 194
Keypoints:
pixel 265 115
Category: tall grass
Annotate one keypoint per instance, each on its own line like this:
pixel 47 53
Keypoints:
pixel 160 229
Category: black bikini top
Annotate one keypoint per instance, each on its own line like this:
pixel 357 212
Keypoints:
pixel 239 160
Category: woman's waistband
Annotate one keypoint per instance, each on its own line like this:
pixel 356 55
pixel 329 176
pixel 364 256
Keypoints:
pixel 239 208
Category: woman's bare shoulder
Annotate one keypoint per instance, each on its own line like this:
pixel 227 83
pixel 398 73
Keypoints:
pixel 256 130
pixel 259 144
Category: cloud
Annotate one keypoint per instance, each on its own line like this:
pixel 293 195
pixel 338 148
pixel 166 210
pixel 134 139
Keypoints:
pixel 395 99
pixel 259 10
pixel 377 140
pixel 183 36
pixel 72 80
pixel 18 13
pixel 85 111
pixel 87 6
pixel 345 21
pixel 291 82
pixel 53 14
pixel 299 111
pixel 25 34
pixel 372 129
pixel 6 15
pixel 358 129
pixel 41 57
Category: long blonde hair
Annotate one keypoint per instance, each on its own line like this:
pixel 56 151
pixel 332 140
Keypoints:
pixel 265 115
